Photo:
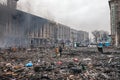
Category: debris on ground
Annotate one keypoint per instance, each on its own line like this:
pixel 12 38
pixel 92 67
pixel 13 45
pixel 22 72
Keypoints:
pixel 41 65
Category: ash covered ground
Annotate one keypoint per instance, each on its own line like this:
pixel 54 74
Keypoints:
pixel 74 64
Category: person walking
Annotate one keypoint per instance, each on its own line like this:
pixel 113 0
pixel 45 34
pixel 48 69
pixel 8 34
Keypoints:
pixel 56 51
pixel 100 47
pixel 60 51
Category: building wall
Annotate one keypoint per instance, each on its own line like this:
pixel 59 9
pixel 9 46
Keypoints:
pixel 73 35
pixel 115 19
pixel 82 36
pixel 118 27
pixel 86 36
pixel 67 34
pixel 21 29
pixel 60 33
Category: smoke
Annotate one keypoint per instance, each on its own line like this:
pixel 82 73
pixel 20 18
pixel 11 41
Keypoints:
pixel 84 15
pixel 35 7
pixel 11 34
pixel 4 16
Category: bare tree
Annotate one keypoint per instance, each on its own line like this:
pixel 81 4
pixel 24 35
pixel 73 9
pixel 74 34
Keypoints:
pixel 100 35
pixel 96 35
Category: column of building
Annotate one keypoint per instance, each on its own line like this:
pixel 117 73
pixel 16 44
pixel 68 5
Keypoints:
pixel 115 20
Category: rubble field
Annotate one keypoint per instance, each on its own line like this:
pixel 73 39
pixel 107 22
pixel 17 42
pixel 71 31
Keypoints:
pixel 74 64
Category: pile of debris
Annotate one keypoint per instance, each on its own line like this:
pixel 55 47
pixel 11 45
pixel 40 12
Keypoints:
pixel 37 65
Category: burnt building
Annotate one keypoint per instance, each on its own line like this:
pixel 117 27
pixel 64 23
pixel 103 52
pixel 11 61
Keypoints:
pixel 63 33
pixel 21 29
pixel 7 9
pixel 115 21
pixel 34 30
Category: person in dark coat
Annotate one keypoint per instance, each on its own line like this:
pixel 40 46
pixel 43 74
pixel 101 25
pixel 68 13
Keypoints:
pixel 100 47
pixel 60 51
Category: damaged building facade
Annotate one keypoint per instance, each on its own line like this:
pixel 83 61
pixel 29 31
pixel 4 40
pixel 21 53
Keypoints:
pixel 23 29
pixel 115 21
pixel 7 9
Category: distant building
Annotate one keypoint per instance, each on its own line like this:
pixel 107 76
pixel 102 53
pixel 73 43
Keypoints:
pixel 86 36
pixel 63 33
pixel 73 36
pixel 82 37
pixel 115 21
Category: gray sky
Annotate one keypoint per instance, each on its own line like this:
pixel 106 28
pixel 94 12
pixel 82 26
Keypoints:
pixel 87 15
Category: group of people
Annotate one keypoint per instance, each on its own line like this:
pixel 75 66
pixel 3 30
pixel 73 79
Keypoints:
pixel 58 51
